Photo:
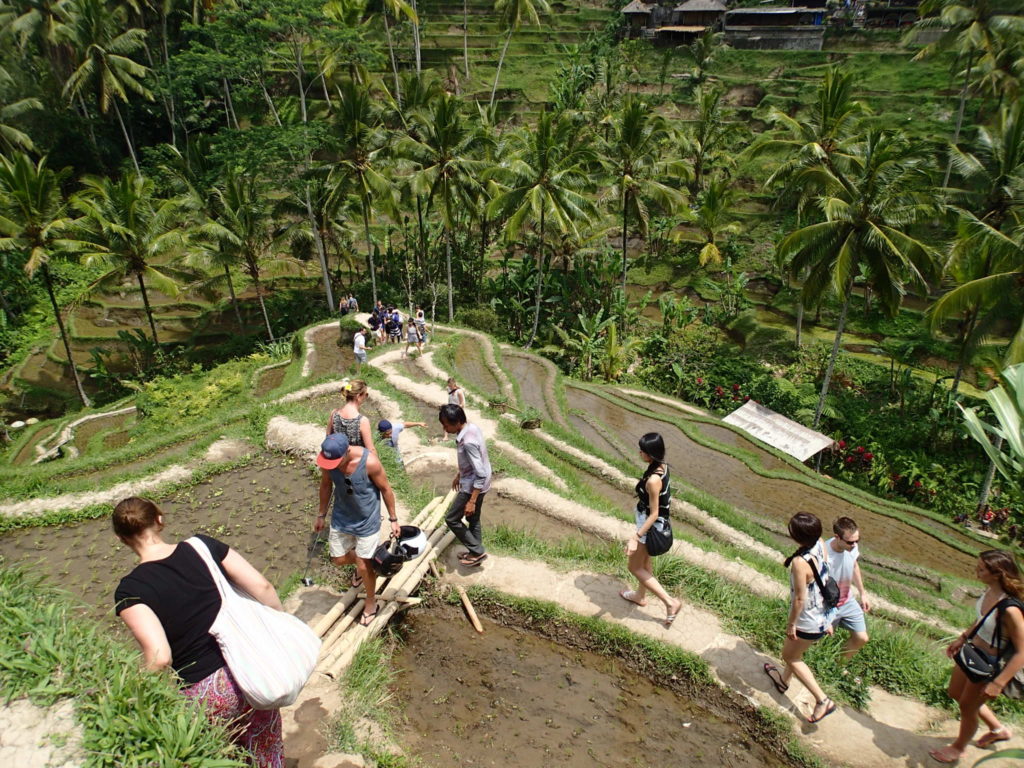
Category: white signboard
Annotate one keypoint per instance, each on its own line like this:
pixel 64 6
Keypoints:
pixel 778 431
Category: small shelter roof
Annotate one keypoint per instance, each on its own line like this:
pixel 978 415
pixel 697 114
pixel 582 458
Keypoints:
pixel 701 6
pixel 680 29
pixel 637 7
pixel 769 11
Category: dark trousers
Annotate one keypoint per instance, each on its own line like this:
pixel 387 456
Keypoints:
pixel 467 532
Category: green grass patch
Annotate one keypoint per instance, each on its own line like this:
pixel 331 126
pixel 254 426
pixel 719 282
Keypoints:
pixel 128 717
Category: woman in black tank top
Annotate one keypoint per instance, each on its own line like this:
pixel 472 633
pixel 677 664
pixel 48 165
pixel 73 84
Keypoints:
pixel 652 490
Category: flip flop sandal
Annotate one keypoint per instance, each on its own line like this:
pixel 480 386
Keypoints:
pixel 473 562
pixel 367 618
pixel 357 581
pixel 629 595
pixel 776 677
pixel 947 761
pixel 829 709
pixel 990 738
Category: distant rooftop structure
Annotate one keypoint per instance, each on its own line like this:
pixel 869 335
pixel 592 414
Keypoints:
pixel 691 6
pixel 637 7
pixel 769 11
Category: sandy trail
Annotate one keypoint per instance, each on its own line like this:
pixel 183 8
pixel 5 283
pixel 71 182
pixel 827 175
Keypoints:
pixel 896 731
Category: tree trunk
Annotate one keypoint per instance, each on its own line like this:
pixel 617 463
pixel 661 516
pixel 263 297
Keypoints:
pixel 8 309
pixel 835 353
pixel 234 299
pixel 369 251
pixel 416 39
pixel 263 307
pixel 448 268
pixel 394 63
pixel 501 61
pixel 230 103
pixel 127 138
pixel 959 115
pixel 465 35
pixel 799 319
pixel 540 283
pixel 320 252
pixel 270 103
pixel 145 304
pixel 421 256
pixel 962 360
pixel 625 219
pixel 64 337
pixel 990 476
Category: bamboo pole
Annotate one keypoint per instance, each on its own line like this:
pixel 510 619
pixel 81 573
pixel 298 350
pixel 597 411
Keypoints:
pixel 326 648
pixel 470 611
pixel 362 634
pixel 339 608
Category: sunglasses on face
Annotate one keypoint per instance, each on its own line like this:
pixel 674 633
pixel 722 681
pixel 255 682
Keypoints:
pixel 851 543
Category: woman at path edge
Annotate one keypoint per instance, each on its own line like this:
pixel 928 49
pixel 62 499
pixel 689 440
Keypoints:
pixel 170 601
pixel 998 572
pixel 654 484
pixel 809 620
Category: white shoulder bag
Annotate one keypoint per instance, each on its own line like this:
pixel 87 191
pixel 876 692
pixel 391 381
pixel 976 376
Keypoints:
pixel 270 653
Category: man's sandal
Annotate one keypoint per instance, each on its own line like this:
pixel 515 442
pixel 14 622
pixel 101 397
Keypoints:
pixel 367 618
pixel 471 561
pixel 776 677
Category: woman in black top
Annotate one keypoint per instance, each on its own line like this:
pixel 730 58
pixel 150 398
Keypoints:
pixel 654 484
pixel 170 601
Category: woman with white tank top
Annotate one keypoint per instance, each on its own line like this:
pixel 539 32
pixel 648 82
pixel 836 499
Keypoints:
pixel 809 619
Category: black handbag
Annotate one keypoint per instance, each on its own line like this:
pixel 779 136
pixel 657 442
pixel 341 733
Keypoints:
pixel 829 589
pixel 981 666
pixel 659 541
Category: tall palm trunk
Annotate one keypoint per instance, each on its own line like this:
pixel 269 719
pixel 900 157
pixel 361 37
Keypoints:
pixel 799 321
pixel 321 253
pixel 625 220
pixel 959 115
pixel 64 337
pixel 394 62
pixel 961 363
pixel 465 35
pixel 149 309
pixel 448 267
pixel 986 486
pixel 417 48
pixel 501 61
pixel 369 250
pixel 254 274
pixel 234 299
pixel 127 138
pixel 835 353
pixel 540 284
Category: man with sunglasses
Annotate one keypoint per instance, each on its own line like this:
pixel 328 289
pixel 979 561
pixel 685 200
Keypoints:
pixel 358 480
pixel 843 551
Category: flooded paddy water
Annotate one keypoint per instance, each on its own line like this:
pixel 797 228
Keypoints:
pixel 330 358
pixel 269 380
pixel 509 697
pixel 472 370
pixel 732 481
pixel 533 380
pixel 265 510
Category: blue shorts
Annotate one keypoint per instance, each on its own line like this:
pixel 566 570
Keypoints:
pixel 850 616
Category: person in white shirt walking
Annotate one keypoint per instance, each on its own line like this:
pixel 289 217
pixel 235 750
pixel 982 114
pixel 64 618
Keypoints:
pixel 359 348
pixel 843 551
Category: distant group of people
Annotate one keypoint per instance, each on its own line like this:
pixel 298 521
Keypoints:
pixel 388 326
pixel 169 601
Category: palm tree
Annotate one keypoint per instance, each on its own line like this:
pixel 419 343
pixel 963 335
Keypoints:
pixel 868 206
pixel 243 223
pixel 702 53
pixel 994 296
pixel 447 173
pixel 512 14
pixel 585 341
pixel 713 215
pixel 633 156
pixel 543 185
pixel 361 140
pixel 988 204
pixel 973 29
pixel 35 221
pixel 104 67
pixel 705 145
pixel 396 8
pixel 128 228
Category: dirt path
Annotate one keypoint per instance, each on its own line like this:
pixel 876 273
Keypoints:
pixel 40 736
pixel 896 732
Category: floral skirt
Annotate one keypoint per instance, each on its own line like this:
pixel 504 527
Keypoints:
pixel 257 730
